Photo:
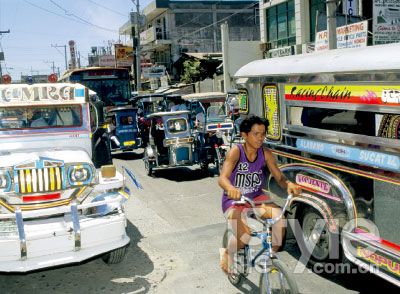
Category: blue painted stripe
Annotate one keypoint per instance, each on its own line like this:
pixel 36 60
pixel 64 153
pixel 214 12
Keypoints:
pixel 351 154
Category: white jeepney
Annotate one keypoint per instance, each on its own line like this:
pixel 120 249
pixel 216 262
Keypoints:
pixel 55 207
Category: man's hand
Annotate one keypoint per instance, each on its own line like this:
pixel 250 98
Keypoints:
pixel 293 189
pixel 233 193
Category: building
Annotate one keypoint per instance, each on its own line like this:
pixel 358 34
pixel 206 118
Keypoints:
pixel 176 26
pixel 290 26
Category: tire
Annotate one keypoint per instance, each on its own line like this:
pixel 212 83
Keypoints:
pixel 280 279
pixel 320 250
pixel 149 170
pixel 115 256
pixel 101 150
pixel 237 278
pixel 204 167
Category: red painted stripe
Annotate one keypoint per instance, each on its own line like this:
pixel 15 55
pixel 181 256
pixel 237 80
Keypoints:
pixel 43 197
pixel 375 238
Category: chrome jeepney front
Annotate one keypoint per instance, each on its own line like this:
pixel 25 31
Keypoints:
pixel 62 224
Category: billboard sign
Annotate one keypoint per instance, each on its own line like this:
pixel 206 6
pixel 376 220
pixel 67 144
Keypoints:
pixel 351 36
pixel 123 55
pixel 107 60
pixel 386 21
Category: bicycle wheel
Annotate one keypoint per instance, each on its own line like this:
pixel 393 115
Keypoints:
pixel 235 279
pixel 277 279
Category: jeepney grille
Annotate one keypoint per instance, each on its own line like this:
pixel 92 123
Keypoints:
pixel 39 180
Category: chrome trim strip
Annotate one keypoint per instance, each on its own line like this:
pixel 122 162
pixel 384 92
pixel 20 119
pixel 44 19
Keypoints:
pixel 76 226
pixel 21 233
pixel 322 134
pixel 365 265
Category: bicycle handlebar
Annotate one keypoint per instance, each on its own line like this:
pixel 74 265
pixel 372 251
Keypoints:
pixel 271 221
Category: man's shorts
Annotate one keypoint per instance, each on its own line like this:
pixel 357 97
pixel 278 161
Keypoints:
pixel 245 207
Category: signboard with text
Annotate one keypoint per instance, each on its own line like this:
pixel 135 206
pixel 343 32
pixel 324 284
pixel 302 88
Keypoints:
pixel 123 55
pixel 385 95
pixel 386 21
pixel 351 36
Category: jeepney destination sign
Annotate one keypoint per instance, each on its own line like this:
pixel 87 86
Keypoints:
pixel 387 95
pixel 352 154
pixel 41 93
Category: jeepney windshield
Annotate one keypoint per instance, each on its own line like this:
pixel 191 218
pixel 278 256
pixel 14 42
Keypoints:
pixel 216 112
pixel 34 117
pixel 177 125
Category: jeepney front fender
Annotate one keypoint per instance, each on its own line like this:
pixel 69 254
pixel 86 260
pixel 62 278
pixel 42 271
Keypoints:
pixel 321 189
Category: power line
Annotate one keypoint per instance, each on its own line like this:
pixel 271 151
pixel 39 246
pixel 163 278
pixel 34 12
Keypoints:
pixel 80 18
pixel 75 19
pixel 107 8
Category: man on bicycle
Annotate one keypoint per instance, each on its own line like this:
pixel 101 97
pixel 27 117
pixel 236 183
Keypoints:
pixel 243 174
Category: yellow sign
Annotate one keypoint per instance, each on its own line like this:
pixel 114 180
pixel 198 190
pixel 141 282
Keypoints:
pixel 387 95
pixel 271 113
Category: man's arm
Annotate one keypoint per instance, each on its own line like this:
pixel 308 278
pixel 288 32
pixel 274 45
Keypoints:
pixel 278 175
pixel 229 164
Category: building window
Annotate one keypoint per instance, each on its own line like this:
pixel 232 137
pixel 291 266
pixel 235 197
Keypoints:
pixel 320 6
pixel 281 25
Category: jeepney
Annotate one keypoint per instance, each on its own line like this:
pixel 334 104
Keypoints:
pixel 56 208
pixel 217 125
pixel 334 126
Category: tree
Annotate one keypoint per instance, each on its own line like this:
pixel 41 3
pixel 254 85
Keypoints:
pixel 191 71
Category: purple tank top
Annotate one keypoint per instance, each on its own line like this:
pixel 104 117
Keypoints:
pixel 248 176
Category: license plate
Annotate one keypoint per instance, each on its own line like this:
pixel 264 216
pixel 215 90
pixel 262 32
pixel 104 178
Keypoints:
pixel 129 143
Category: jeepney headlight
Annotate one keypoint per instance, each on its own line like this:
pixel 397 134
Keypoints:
pixel 5 181
pixel 79 175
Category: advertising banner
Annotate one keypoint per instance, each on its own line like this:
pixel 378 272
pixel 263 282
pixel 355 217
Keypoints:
pixel 386 21
pixel 351 36
pixel 123 55
pixel 107 60
pixel 385 95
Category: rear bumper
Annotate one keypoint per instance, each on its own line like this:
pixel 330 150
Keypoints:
pixel 58 236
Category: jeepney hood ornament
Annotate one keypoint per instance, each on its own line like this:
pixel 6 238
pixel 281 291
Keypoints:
pixel 66 156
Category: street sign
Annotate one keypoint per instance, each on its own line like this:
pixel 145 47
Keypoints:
pixel 52 78
pixel 6 79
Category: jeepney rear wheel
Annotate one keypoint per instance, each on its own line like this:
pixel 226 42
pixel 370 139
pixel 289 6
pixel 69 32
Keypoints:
pixel 321 249
pixel 115 256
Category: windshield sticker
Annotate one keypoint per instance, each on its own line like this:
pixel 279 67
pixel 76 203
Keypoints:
pixel 243 101
pixel 352 154
pixel 387 95
pixel 271 112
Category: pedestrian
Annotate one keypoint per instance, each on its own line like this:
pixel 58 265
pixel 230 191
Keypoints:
pixel 243 173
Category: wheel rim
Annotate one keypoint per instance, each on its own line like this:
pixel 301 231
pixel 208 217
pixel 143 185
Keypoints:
pixel 318 246
pixel 276 282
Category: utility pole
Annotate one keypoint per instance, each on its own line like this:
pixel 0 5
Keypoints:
pixel 53 68
pixel 137 43
pixel 331 7
pixel 65 53
pixel 1 71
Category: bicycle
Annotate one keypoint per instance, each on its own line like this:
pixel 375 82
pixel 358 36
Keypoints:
pixel 276 277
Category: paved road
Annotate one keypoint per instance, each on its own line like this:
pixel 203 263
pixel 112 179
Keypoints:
pixel 175 225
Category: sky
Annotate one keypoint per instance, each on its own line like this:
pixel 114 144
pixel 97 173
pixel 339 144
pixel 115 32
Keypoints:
pixel 36 25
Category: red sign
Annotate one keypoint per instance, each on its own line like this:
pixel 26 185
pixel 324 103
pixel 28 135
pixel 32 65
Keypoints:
pixel 52 78
pixel 6 79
